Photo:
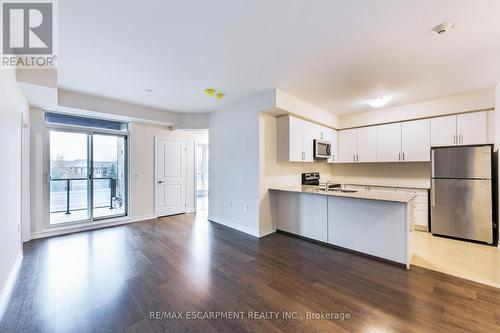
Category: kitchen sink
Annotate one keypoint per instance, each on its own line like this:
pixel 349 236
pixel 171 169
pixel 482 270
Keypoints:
pixel 321 189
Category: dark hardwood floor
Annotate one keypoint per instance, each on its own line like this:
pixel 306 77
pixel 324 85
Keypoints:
pixel 111 280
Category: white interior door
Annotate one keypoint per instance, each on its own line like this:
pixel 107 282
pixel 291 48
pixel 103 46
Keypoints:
pixel 170 177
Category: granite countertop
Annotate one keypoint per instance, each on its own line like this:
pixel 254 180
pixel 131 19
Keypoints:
pixel 369 195
pixel 421 186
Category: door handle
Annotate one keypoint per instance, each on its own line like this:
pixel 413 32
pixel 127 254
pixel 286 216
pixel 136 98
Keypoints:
pixel 433 193
pixel 161 182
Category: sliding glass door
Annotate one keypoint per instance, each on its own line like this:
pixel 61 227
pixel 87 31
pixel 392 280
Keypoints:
pixel 108 181
pixel 87 171
pixel 69 170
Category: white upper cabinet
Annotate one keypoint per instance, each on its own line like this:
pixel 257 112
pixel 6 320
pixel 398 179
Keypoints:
pixel 310 132
pixel 462 129
pixel 389 143
pixel 407 141
pixel 444 131
pixel 416 140
pixel 366 144
pixel 295 138
pixel 347 146
pixel 472 128
pixel 290 134
pixel 331 136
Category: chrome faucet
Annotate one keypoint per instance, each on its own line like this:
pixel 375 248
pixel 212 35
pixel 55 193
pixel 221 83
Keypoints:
pixel 327 185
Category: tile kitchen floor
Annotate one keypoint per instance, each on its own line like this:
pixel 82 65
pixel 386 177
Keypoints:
pixel 476 262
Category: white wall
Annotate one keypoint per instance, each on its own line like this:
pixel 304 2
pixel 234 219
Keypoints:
pixel 274 173
pixel 388 174
pixel 12 105
pixel 72 99
pixel 291 104
pixel 471 101
pixel 234 163
pixel 497 141
pixel 141 170
pixel 142 186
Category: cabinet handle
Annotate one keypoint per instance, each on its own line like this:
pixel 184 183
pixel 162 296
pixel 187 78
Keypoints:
pixel 461 139
pixel 454 139
pixel 354 157
pixel 399 156
pixel 403 156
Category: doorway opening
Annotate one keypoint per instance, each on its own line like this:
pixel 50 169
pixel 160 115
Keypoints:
pixel 201 176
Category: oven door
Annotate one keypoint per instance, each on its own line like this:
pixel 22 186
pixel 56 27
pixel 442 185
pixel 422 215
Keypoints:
pixel 322 149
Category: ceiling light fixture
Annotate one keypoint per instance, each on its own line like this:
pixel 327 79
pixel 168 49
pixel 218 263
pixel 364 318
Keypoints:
pixel 443 28
pixel 378 102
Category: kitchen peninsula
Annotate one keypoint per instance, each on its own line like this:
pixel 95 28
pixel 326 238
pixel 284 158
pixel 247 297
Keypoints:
pixel 374 223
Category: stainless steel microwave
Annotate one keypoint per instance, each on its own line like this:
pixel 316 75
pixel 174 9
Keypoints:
pixel 322 149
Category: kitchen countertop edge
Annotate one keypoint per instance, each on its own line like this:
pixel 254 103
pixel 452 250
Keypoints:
pixel 367 195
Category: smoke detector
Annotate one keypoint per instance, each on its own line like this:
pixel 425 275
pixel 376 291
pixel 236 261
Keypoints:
pixel 443 28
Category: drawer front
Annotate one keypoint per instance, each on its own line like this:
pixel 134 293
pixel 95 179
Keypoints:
pixel 421 218
pixel 422 199
pixel 421 206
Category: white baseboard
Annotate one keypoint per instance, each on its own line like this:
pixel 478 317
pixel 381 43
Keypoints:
pixel 267 231
pixel 49 232
pixel 9 284
pixel 233 225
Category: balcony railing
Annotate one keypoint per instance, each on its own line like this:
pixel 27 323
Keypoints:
pixel 68 190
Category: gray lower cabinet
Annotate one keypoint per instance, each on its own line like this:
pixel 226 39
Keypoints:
pixel 301 214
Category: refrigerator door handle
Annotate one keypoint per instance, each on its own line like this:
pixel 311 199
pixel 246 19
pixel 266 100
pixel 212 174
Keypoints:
pixel 432 162
pixel 433 193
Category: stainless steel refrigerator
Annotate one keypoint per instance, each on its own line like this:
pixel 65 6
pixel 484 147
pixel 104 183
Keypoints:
pixel 462 192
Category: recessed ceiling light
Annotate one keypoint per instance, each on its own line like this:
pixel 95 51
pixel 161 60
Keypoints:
pixel 148 90
pixel 378 102
pixel 443 28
